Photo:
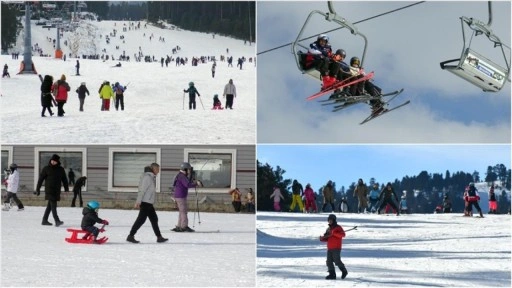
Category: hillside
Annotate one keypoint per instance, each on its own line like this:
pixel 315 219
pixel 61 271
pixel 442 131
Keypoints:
pixel 156 108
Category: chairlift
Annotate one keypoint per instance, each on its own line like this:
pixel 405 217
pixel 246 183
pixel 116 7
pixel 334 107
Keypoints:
pixel 330 16
pixel 475 67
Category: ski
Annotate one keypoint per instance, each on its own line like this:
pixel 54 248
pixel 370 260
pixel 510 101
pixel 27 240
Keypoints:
pixel 351 99
pixel 341 85
pixel 371 117
pixel 364 97
pixel 343 106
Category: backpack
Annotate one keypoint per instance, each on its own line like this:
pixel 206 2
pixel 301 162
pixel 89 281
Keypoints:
pixel 119 90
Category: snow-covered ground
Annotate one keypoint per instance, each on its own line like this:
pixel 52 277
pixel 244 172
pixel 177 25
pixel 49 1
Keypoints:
pixel 420 250
pixel 154 101
pixel 36 255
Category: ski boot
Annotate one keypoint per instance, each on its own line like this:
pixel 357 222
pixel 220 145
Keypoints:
pixel 327 82
pixel 377 108
pixel 344 272
pixel 331 276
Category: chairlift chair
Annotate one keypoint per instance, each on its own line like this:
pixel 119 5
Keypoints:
pixel 330 16
pixel 474 67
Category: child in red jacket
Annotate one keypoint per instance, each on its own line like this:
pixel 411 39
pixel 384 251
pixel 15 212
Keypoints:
pixel 333 236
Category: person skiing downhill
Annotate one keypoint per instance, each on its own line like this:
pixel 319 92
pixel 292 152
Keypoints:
pixel 333 236
pixel 192 91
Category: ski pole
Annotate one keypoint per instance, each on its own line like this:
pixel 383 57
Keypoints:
pixel 201 102
pixel 197 208
pixel 353 228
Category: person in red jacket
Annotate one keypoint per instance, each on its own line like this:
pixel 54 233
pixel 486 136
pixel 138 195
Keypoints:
pixel 60 90
pixel 333 236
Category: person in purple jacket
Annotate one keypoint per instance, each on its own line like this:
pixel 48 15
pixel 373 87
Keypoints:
pixel 184 180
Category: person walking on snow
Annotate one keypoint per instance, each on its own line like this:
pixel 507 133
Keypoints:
pixel 309 194
pixel 192 91
pixel 13 183
pixel 82 90
pixel 229 94
pixel 333 236
pixel 60 90
pixel 328 193
pixel 53 177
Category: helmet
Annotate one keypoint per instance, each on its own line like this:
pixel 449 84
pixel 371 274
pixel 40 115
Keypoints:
pixel 185 165
pixel 190 84
pixel 331 217
pixel 323 37
pixel 94 205
pixel 471 184
pixel 355 60
pixel 341 52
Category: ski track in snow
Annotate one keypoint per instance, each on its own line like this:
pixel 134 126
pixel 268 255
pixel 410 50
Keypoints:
pixel 154 111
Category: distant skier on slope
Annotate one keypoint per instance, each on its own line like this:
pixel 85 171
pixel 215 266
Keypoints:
pixel 387 194
pixel 333 236
pixel 472 198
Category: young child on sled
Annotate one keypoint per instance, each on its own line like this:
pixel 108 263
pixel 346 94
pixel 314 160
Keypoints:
pixel 217 105
pixel 90 218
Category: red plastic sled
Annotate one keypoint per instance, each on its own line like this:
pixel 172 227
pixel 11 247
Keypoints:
pixel 76 238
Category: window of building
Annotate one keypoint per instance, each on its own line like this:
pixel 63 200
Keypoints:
pixel 216 168
pixel 73 160
pixel 126 166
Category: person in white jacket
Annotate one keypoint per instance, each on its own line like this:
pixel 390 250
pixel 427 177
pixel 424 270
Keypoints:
pixel 229 94
pixel 277 198
pixel 13 183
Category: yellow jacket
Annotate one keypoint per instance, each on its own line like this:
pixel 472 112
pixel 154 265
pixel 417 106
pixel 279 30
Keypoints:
pixel 106 92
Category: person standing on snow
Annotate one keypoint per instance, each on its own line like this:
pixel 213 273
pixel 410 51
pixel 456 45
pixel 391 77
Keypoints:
pixel 493 204
pixel 145 200
pixel 53 177
pixel 12 187
pixel 82 90
pixel 472 198
pixel 328 193
pixel 309 194
pixel 77 66
pixel 192 91
pixel 46 95
pixel 333 236
pixel 276 194
pixel 213 69
pixel 119 91
pixel 106 93
pixel 60 90
pixel 374 197
pixel 386 196
pixel 297 192
pixel 229 94
pixel 361 191
pixel 184 180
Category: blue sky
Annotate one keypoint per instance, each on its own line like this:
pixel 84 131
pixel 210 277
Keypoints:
pixel 345 164
pixel 404 49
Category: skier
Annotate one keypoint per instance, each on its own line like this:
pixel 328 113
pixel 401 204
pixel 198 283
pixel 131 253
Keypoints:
pixel 217 105
pixel 385 197
pixel 447 204
pixel 361 191
pixel 318 57
pixel 333 236
pixel 360 88
pixel 328 193
pixel 77 191
pixel 240 63
pixel 374 197
pixel 119 91
pixel 472 198
pixel 403 204
pixel 229 94
pixel 182 182
pixel 276 194
pixel 309 194
pixel 297 191
pixel 493 205
pixel 192 91
pixel 90 217
pixel 82 90
pixel 12 187
pixel 77 68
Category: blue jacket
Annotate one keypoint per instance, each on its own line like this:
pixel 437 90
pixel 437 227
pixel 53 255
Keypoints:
pixel 319 51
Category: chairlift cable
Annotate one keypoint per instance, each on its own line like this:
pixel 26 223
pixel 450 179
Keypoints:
pixel 360 21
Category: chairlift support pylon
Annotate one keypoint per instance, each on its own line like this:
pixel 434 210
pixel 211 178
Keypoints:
pixel 330 16
pixel 474 67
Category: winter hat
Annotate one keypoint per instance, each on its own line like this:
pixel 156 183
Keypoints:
pixel 63 77
pixel 83 83
pixel 230 81
pixel 331 217
pixel 55 157
pixel 13 166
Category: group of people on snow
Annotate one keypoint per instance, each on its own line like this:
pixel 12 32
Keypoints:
pixel 333 69
pixel 229 94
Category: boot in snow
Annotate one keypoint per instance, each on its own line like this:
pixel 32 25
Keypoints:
pixel 344 272
pixel 331 276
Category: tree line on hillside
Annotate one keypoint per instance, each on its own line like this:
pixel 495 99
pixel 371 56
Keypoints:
pixel 424 191
pixel 11 26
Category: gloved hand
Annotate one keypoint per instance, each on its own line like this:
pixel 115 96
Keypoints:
pixel 184 90
pixel 199 183
pixel 104 222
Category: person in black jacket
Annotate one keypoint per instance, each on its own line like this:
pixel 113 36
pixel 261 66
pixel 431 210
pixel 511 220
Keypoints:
pixel 90 218
pixel 387 193
pixel 77 191
pixel 472 198
pixel 53 176
pixel 82 90
pixel 192 91
pixel 46 95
